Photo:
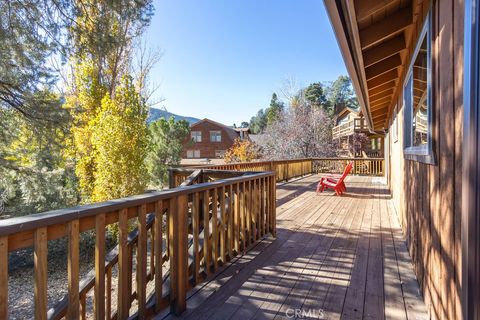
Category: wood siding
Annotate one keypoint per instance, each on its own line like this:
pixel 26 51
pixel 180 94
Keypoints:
pixel 206 147
pixel 427 198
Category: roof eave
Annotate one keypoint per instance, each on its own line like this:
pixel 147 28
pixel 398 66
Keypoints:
pixel 340 24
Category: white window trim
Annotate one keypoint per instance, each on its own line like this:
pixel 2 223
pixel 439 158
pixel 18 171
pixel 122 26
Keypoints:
pixel 423 153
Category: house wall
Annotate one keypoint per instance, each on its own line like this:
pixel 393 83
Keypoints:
pixel 427 198
pixel 206 147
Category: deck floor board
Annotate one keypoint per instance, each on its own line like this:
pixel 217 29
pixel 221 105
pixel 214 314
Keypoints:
pixel 333 258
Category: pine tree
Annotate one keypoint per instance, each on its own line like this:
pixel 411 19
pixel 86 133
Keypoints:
pixel 166 144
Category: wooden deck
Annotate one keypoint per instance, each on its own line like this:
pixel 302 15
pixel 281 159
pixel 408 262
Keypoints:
pixel 333 257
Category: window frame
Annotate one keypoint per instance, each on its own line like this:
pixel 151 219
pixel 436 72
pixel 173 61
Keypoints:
pixel 423 153
pixel 219 135
pixel 196 136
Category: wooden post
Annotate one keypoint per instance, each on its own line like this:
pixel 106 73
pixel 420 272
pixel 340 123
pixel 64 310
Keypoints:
pixel 141 273
pixel 73 311
pixel 123 293
pixel 196 233
pixel 179 259
pixel 222 226
pixel 158 253
pixel 40 269
pixel 207 252
pixel 171 178
pixel 99 290
pixel 4 277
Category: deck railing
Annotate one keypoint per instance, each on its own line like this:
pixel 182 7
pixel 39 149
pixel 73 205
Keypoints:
pixel 284 169
pixel 349 128
pixel 183 236
pixel 180 237
pixel 361 166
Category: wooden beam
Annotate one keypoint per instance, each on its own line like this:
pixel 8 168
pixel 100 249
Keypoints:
pixel 387 27
pixel 380 102
pixel 384 78
pixel 380 113
pixel 384 87
pixel 383 66
pixel 379 96
pixel 365 8
pixel 384 50
pixel 381 106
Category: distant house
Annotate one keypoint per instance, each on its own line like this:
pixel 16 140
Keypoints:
pixel 209 140
pixel 349 123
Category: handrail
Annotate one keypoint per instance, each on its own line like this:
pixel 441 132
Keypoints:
pixel 210 212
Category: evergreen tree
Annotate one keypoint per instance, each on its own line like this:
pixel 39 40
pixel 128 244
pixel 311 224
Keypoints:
pixel 274 110
pixel 166 144
pixel 315 96
pixel 341 92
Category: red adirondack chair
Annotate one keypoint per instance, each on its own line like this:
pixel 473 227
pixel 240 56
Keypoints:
pixel 335 182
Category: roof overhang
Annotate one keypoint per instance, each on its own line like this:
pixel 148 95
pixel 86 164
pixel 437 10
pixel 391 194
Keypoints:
pixel 373 37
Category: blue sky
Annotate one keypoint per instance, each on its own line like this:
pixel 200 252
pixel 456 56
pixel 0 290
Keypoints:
pixel 224 58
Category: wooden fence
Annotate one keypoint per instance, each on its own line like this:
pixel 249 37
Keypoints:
pixel 190 231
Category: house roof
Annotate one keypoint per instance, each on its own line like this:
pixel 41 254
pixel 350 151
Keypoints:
pixel 231 132
pixel 373 37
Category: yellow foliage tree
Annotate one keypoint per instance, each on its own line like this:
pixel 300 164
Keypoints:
pixel 242 151
pixel 84 105
pixel 119 140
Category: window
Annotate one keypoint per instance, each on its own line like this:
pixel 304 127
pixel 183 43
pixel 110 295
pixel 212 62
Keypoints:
pixel 196 136
pixel 219 153
pixel 418 102
pixel 193 154
pixel 395 124
pixel 215 136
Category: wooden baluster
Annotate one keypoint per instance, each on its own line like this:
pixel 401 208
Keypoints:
pixel 100 266
pixel 4 277
pixel 109 293
pixel 179 259
pixel 230 236
pixel 83 306
pixel 248 212
pixel 273 208
pixel 123 298
pixel 236 219
pixel 215 228
pixel 262 207
pixel 130 275
pixel 253 210
pixel 73 310
pixel 242 198
pixel 267 204
pixel 152 253
pixel 196 232
pixel 158 242
pixel 222 225
pixel 40 267
pixel 141 272
pixel 206 233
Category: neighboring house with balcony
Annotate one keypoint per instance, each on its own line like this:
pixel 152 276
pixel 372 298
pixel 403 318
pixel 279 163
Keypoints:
pixel 209 140
pixel 349 122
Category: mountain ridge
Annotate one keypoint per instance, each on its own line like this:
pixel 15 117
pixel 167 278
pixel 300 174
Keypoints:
pixel 155 114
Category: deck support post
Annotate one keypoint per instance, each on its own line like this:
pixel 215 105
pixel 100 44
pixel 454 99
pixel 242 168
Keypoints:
pixel 179 254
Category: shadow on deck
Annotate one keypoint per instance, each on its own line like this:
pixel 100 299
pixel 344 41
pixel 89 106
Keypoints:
pixel 333 257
